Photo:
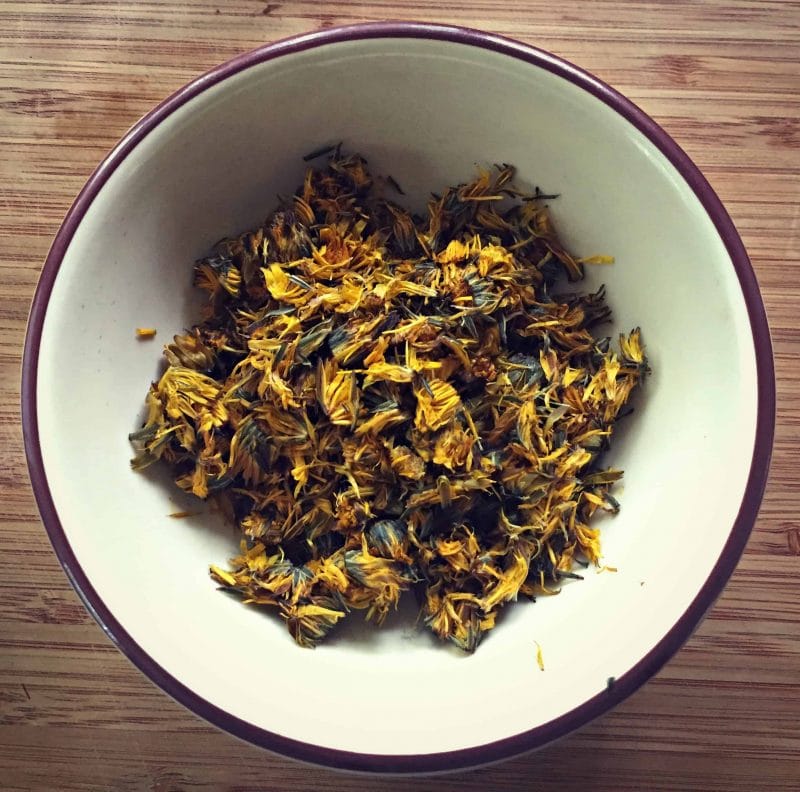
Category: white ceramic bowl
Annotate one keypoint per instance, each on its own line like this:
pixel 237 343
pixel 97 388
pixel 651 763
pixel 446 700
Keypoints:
pixel 424 103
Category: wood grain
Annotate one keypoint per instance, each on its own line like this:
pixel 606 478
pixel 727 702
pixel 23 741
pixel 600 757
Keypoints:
pixel 722 77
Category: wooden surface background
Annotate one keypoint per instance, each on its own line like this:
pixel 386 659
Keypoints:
pixel 722 77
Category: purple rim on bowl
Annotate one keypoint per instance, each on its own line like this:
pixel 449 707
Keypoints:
pixel 679 632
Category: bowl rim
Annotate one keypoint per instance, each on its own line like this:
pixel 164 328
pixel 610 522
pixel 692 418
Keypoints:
pixel 622 687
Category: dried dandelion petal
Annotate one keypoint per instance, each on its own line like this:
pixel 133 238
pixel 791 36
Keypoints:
pixel 539 656
pixel 383 401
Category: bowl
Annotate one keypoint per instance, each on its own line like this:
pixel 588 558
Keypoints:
pixel 424 103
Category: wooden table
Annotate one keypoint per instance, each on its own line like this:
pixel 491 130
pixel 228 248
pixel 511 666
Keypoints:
pixel 722 77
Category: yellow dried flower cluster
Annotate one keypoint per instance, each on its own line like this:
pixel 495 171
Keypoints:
pixel 385 402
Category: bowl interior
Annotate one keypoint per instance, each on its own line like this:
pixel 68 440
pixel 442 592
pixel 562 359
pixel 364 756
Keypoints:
pixel 425 111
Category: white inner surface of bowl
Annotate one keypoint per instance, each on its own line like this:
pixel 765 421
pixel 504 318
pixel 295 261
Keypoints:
pixel 426 112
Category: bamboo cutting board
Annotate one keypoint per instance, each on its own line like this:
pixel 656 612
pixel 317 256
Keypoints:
pixel 722 77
